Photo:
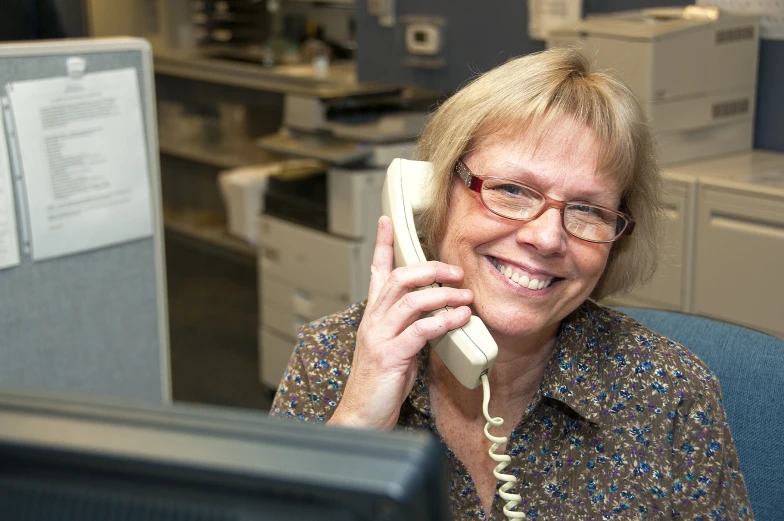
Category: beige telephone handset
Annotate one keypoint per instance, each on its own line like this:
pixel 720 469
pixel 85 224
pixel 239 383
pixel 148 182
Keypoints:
pixel 467 351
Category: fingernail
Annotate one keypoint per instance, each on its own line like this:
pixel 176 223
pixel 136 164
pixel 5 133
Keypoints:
pixel 465 293
pixel 454 270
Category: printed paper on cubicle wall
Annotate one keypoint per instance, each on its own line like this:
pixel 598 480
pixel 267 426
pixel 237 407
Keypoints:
pixel 84 159
pixel 9 242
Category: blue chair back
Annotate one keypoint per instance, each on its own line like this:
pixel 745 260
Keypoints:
pixel 750 368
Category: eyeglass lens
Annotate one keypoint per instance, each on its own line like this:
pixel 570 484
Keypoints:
pixel 583 220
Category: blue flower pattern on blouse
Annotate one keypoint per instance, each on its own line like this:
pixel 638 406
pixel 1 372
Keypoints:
pixel 626 424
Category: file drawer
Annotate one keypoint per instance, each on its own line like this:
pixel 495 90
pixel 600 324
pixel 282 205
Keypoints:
pixel 274 354
pixel 740 254
pixel 310 259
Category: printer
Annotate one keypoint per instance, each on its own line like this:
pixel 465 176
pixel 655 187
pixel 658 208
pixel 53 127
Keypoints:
pixel 316 234
pixel 694 69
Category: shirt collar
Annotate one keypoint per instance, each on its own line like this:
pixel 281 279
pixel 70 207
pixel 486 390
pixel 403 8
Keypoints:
pixel 572 376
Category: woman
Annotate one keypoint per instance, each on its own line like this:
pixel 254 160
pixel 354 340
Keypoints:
pixel 605 418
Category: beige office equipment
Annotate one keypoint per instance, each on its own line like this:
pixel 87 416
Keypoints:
pixel 740 242
pixel 243 191
pixel 724 242
pixel 670 287
pixel 305 274
pixel 316 237
pixel 694 69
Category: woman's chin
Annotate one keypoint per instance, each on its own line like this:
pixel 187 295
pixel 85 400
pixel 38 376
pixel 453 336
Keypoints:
pixel 518 325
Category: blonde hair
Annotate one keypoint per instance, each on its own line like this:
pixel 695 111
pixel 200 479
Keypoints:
pixel 527 95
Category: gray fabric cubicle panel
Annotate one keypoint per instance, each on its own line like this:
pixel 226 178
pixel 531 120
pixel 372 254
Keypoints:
pixel 95 321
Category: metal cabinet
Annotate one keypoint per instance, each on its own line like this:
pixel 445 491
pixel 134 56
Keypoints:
pixel 724 242
pixel 740 252
pixel 670 286
pixel 304 274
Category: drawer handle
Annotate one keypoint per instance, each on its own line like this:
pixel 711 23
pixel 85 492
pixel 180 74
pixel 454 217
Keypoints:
pixel 303 304
pixel 747 225
pixel 270 254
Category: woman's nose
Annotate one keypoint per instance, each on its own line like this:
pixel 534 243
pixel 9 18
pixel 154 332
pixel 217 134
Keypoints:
pixel 545 233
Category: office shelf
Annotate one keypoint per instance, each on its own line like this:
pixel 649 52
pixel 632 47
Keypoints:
pixel 217 155
pixel 214 235
pixel 341 80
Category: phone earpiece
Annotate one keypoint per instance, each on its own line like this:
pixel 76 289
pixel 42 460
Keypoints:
pixel 468 351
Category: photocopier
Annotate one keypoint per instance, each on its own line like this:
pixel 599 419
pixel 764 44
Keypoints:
pixel 316 233
pixel 694 70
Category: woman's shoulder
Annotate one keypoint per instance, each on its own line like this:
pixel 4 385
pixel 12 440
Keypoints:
pixel 314 379
pixel 336 330
pixel 632 350
pixel 330 337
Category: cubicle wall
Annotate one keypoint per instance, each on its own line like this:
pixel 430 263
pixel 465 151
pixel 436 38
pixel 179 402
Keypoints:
pixel 92 320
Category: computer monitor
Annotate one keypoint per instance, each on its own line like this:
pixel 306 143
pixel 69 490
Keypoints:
pixel 68 459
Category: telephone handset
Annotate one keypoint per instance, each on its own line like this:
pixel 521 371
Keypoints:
pixel 467 351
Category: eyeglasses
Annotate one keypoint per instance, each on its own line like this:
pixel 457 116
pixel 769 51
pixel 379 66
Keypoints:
pixel 519 202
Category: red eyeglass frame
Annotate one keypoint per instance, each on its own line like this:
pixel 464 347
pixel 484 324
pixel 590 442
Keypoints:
pixel 474 183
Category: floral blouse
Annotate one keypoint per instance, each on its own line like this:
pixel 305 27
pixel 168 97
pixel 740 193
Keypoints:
pixel 626 424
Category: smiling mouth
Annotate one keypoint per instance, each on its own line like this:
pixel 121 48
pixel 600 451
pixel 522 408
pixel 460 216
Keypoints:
pixel 530 282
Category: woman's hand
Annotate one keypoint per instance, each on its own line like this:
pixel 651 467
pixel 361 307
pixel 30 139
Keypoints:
pixel 392 333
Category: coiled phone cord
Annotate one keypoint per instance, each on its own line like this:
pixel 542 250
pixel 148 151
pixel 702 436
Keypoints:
pixel 503 460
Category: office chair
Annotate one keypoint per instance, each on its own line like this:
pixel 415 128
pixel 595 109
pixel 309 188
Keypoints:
pixel 750 368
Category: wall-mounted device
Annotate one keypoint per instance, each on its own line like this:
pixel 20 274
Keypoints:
pixel 423 38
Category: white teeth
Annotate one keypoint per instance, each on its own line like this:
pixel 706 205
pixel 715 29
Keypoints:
pixel 522 280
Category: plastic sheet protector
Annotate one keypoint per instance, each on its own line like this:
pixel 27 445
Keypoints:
pixel 82 147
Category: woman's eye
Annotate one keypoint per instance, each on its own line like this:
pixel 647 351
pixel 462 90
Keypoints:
pixel 513 190
pixel 510 189
pixel 586 212
pixel 584 208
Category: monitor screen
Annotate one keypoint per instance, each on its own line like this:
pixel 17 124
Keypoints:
pixel 69 459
